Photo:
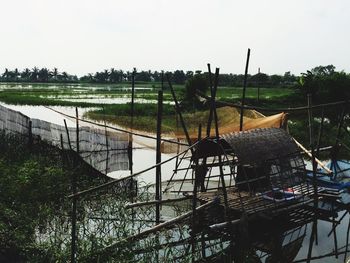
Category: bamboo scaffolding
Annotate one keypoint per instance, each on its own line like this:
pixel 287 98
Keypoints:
pixel 162 225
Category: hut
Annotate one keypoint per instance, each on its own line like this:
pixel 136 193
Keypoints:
pixel 259 170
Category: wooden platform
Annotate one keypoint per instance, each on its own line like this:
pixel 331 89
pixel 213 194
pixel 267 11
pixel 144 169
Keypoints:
pixel 240 201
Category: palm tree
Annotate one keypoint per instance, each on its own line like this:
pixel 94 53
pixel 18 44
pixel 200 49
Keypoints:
pixel 54 74
pixel 121 75
pixel 6 74
pixel 25 74
pixel 15 74
pixel 64 76
pixel 91 77
pixel 106 75
pixel 113 75
pixel 34 74
pixel 44 75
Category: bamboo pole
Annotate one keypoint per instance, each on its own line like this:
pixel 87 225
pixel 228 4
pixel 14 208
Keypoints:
pixel 310 155
pixel 158 155
pixel 30 134
pixel 164 201
pixel 74 200
pixel 244 90
pixel 212 103
pixel 178 111
pixel 67 131
pixel 130 153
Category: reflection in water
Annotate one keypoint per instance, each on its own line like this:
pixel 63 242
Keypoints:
pixel 310 233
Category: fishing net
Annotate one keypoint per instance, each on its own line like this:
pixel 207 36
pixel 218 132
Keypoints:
pixel 228 122
pixel 104 150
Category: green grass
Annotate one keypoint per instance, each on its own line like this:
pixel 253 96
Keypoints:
pixel 252 92
pixel 50 94
pixel 145 114
pixel 54 95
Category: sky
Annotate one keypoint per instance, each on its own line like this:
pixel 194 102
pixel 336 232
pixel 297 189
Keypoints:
pixel 84 36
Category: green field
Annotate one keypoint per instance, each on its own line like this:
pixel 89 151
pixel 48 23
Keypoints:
pixel 63 94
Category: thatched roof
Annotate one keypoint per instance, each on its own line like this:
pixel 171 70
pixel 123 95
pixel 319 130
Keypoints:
pixel 258 145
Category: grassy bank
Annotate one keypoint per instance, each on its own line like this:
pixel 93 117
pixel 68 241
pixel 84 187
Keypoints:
pixel 145 117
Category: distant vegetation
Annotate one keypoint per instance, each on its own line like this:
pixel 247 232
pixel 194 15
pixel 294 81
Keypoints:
pixel 109 76
pixel 324 83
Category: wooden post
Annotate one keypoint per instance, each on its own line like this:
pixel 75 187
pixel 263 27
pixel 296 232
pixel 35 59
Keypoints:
pixel 213 89
pixel 178 111
pixel 107 145
pixel 67 131
pixel 74 200
pixel 158 155
pixel 347 240
pixel 61 139
pixel 314 175
pixel 130 153
pixel 309 104
pixel 30 134
pixel 194 199
pixel 244 89
pixel 214 104
pixel 211 102
pixel 62 150
pixel 77 129
pixel 336 145
pixel 258 83
pixel 320 134
pixel 162 80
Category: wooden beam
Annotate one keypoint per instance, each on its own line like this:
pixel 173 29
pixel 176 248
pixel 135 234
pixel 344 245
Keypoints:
pixel 310 155
pixel 165 201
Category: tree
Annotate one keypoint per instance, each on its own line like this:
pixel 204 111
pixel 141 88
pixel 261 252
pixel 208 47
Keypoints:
pixel 179 77
pixel 25 75
pixel 44 75
pixel 276 80
pixel 325 84
pixel 34 74
pixel 113 76
pixel 143 76
pixel 199 82
pixel 259 79
pixel 54 74
pixel 64 76
pixel 6 74
pixel 189 74
pixel 289 78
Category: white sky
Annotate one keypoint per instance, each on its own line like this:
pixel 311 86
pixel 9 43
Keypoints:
pixel 82 36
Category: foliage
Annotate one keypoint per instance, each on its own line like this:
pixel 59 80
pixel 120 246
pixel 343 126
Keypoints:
pixel 325 84
pixel 199 82
pixel 45 75
pixel 34 185
pixel 42 75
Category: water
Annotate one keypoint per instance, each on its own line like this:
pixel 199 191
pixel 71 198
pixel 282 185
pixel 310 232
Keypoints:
pixel 46 114
pixel 144 157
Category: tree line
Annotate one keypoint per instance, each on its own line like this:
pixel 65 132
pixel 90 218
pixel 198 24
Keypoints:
pixel 37 75
pixel 109 76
